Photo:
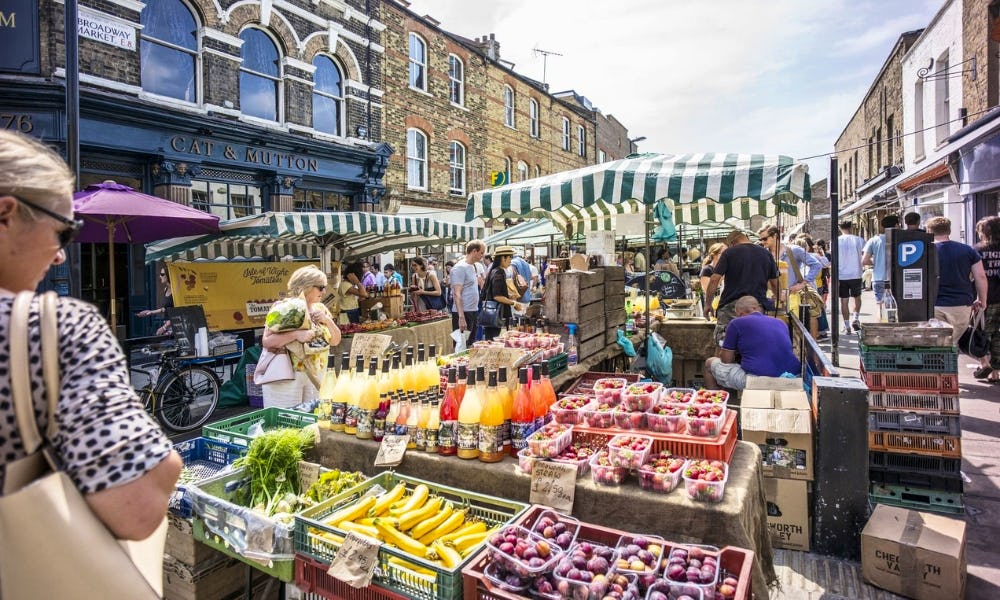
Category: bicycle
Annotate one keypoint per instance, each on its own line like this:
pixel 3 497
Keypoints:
pixel 180 394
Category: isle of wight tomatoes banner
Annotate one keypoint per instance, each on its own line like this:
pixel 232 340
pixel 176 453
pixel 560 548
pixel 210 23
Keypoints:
pixel 234 295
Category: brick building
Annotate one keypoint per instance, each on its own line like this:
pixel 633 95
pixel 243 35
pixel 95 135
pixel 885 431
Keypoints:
pixel 458 114
pixel 231 107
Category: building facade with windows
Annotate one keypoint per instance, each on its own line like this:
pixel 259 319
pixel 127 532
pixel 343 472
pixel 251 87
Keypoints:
pixel 233 107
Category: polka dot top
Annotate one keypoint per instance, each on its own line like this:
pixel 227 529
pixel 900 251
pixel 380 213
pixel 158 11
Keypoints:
pixel 105 437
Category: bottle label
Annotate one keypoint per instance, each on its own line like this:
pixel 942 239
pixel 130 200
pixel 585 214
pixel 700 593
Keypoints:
pixel 506 433
pixel 448 434
pixel 378 428
pixel 366 422
pixel 351 416
pixel 338 412
pixel 490 439
pixel 416 436
pixel 431 440
pixel 400 429
pixel 468 436
pixel 519 433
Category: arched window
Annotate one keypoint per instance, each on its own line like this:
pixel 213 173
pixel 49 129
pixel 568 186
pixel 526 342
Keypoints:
pixel 506 169
pixel 533 118
pixel 456 163
pixel 418 62
pixel 328 96
pixel 416 159
pixel 508 106
pixel 260 75
pixel 538 170
pixel 522 170
pixel 456 80
pixel 168 50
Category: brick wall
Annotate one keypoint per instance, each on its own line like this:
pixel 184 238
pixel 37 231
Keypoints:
pixel 980 37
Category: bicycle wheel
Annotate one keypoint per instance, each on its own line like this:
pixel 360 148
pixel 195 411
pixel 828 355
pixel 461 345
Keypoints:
pixel 187 398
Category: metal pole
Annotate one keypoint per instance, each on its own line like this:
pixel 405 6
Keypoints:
pixel 649 263
pixel 70 18
pixel 834 189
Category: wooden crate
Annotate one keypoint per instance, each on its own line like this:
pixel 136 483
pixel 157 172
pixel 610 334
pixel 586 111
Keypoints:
pixel 591 347
pixel 182 546
pixel 689 339
pixel 219 579
pixel 574 297
pixel 392 306
pixel 615 320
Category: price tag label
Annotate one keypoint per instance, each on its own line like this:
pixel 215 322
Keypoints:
pixel 308 474
pixel 553 484
pixel 494 358
pixel 369 345
pixel 391 451
pixel 356 560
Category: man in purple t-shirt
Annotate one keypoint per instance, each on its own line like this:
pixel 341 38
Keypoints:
pixel 763 343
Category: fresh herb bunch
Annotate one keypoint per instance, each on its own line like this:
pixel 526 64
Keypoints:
pixel 271 464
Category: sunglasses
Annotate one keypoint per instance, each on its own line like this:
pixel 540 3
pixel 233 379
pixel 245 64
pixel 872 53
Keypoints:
pixel 73 226
pixel 321 288
pixel 163 274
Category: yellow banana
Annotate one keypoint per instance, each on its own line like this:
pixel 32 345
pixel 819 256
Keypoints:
pixel 367 530
pixel 465 529
pixel 410 520
pixel 413 502
pixel 467 542
pixel 448 555
pixel 427 525
pixel 450 524
pixel 351 512
pixel 387 499
pixel 399 539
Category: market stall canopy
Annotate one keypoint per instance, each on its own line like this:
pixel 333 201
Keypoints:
pixel 345 235
pixel 699 188
pixel 542 231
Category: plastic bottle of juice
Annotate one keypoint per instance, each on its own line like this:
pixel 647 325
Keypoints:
pixel 522 417
pixel 433 427
pixel 368 403
pixel 539 401
pixel 491 423
pixel 341 390
pixel 448 417
pixel 507 399
pixel 357 386
pixel 378 424
pixel 422 420
pixel 468 420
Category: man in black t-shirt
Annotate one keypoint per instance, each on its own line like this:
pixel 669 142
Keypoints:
pixel 749 269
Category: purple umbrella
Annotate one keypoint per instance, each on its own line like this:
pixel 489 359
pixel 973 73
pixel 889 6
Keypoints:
pixel 114 212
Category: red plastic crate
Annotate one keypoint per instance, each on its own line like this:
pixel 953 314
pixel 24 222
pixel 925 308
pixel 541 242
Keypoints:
pixel 584 384
pixel 915 443
pixel 311 578
pixel 882 381
pixel 720 448
pixel 737 561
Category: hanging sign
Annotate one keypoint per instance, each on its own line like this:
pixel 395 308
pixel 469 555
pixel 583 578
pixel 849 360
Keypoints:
pixel 356 560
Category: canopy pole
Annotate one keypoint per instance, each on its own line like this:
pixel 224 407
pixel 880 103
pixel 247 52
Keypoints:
pixel 111 279
pixel 649 263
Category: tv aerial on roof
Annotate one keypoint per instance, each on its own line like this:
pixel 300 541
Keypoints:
pixel 545 59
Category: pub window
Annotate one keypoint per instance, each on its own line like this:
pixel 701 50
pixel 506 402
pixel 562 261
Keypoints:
pixel 418 62
pixel 226 200
pixel 260 75
pixel 565 133
pixel 581 140
pixel 320 201
pixel 168 49
pixel 328 96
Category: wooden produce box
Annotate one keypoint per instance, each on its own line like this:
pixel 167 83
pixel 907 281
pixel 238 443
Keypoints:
pixel 214 580
pixel 591 335
pixel 693 340
pixel 182 546
pixel 575 296
pixel 615 320
pixel 614 288
pixel 392 306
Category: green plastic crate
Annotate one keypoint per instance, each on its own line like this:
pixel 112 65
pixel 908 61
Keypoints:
pixel 279 569
pixel 447 584
pixel 235 430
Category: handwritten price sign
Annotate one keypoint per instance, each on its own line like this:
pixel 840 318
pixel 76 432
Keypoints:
pixel 356 560
pixel 553 484
pixel 392 450
pixel 369 345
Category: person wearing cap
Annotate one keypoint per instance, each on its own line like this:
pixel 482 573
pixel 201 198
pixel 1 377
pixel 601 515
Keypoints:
pixel 496 288
pixel 749 270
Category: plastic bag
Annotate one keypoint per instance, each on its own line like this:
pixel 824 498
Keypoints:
pixel 460 338
pixel 659 359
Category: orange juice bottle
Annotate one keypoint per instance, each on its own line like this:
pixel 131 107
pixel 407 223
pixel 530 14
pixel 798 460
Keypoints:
pixel 491 423
pixel 325 408
pixel 522 417
pixel 357 386
pixel 396 374
pixel 507 399
pixel 413 424
pixel 368 402
pixel 468 420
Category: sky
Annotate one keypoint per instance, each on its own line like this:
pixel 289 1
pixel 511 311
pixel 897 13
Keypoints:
pixel 747 76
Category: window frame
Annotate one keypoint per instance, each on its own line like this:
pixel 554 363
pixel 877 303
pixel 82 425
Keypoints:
pixel 538 170
pixel 456 83
pixel 422 160
pixel 196 54
pixel 507 168
pixel 533 120
pixel 509 105
pixel 279 88
pixel 581 140
pixel 412 62
pixel 338 100
pixel 523 171
pixel 565 134
pixel 456 168
pixel 942 100
pixel 602 156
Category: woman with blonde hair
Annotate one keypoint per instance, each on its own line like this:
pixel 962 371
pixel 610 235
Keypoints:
pixel 708 269
pixel 109 446
pixel 310 284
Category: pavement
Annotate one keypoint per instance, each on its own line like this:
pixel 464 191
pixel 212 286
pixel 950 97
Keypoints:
pixel 813 576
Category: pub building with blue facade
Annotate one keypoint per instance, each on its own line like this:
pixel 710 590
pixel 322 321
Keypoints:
pixel 228 106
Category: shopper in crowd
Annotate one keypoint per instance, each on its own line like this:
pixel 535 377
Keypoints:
pixel 168 302
pixel 664 262
pixel 762 343
pixel 486 263
pixel 805 241
pixel 819 250
pixel 750 270
pixel 851 250
pixel 392 275
pixel 708 269
pixel 465 287
pixel 352 290
pixel 989 249
pixel 368 281
pixel 522 268
pixel 446 283
pixel 874 254
pixel 496 289
pixel 380 279
pixel 962 285
pixel 108 444
pixel 808 267
pixel 912 221
pixel 310 283
pixel 425 288
pixel 536 279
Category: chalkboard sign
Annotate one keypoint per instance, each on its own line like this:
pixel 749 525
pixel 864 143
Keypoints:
pixel 185 322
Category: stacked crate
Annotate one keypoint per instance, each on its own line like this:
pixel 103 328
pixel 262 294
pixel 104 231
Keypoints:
pixel 915 434
pixel 614 302
pixel 578 297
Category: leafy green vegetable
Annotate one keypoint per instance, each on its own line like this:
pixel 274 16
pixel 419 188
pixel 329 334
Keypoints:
pixel 271 464
pixel 332 483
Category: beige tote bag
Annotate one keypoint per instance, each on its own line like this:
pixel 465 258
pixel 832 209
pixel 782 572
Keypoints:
pixel 53 545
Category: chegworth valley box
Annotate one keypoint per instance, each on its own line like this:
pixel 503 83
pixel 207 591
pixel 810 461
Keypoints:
pixel 788 512
pixel 780 422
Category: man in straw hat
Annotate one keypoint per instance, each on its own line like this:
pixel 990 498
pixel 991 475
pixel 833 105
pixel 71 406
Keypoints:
pixel 749 270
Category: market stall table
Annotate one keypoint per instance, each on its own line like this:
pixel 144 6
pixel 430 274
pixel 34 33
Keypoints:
pixel 739 520
pixel 435 332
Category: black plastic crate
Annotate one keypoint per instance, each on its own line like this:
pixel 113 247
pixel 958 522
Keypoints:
pixel 918 463
pixel 888 420
pixel 944 483
pixel 900 358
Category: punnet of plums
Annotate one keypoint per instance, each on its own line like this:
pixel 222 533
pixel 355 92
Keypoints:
pixel 582 573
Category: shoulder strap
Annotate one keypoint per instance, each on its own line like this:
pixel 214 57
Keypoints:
pixel 794 262
pixel 20 373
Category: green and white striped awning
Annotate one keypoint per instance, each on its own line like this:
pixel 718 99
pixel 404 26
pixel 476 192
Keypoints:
pixel 701 187
pixel 345 235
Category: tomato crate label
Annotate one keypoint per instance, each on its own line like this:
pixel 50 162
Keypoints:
pixel 553 484
pixel 391 450
pixel 356 560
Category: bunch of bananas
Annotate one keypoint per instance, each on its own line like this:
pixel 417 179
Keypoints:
pixel 425 526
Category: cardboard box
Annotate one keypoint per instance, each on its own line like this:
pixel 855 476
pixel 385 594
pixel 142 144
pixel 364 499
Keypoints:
pixel 916 554
pixel 788 513
pixel 780 422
